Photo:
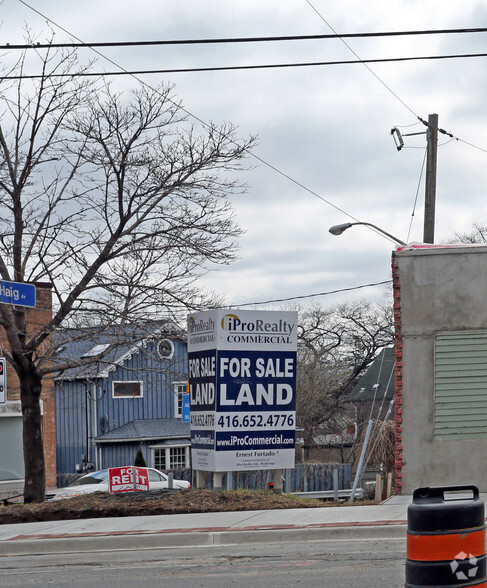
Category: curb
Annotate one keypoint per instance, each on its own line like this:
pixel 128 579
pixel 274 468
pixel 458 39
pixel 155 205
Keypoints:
pixel 207 536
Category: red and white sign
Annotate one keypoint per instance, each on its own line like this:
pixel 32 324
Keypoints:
pixel 128 479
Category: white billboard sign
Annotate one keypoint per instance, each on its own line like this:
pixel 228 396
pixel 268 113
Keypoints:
pixel 242 383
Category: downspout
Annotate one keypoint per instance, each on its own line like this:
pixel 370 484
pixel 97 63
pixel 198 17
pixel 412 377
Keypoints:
pixel 95 426
pixel 88 427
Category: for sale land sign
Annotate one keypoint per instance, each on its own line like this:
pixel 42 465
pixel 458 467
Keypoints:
pixel 242 381
pixel 128 479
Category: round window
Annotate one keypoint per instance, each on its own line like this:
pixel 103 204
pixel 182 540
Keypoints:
pixel 165 348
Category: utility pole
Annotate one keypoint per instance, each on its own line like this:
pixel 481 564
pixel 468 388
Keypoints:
pixel 430 183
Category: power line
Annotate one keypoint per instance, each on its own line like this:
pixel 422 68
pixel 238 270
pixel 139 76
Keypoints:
pixel 417 192
pixel 201 121
pixel 314 295
pixel 125 72
pixel 470 144
pixel 390 89
pixel 225 40
pixel 134 74
pixel 371 71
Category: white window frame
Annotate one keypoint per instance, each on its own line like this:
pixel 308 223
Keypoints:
pixel 167 456
pixel 121 397
pixel 179 390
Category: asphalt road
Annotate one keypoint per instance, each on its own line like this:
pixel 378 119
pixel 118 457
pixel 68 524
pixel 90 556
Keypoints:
pixel 331 563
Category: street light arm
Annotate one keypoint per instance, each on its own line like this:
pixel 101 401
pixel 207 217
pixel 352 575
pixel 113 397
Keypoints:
pixel 339 229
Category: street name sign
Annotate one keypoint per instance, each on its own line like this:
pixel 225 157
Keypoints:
pixel 17 293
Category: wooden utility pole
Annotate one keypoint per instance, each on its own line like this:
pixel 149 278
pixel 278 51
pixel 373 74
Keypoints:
pixel 430 189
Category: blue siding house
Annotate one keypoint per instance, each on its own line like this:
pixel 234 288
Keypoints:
pixel 130 398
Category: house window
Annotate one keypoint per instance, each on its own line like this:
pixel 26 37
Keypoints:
pixel 179 390
pixel 175 457
pixel 127 390
pixel 165 349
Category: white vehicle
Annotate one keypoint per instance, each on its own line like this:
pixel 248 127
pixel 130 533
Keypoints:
pixel 98 482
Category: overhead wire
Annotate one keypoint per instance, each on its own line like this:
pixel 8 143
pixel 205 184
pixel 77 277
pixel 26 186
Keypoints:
pixel 263 161
pixel 379 412
pixel 391 374
pixel 197 118
pixel 417 192
pixel 379 79
pixel 362 61
pixel 365 62
pixel 134 74
pixel 226 40
pixel 221 68
pixel 313 295
pixel 274 168
pixel 470 144
pixel 376 386
pixel 390 89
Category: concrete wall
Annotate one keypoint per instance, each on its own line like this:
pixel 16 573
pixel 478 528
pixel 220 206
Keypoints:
pixel 435 290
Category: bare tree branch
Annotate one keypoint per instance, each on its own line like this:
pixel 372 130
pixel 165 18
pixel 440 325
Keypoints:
pixel 335 346
pixel 115 200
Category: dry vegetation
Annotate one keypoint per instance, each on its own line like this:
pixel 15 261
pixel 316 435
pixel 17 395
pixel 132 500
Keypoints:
pixel 153 503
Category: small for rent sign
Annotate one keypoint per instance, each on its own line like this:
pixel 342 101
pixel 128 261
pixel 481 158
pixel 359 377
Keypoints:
pixel 128 479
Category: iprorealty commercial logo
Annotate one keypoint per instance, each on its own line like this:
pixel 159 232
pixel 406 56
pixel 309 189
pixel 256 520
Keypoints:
pixel 258 330
pixel 201 331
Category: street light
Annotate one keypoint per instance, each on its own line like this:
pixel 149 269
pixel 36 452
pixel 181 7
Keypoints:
pixel 339 229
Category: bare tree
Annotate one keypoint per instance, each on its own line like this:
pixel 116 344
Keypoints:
pixel 478 234
pixel 335 346
pixel 116 201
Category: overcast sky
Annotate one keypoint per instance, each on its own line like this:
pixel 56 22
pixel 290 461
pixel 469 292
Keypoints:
pixel 326 127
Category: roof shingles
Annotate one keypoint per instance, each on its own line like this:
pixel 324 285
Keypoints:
pixel 150 429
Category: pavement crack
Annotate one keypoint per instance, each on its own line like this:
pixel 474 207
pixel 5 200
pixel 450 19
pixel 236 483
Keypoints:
pixel 246 519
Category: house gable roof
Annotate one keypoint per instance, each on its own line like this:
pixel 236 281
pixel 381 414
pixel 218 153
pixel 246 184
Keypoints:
pixel 75 344
pixel 378 381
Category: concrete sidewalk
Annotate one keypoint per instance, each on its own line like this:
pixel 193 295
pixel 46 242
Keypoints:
pixel 388 518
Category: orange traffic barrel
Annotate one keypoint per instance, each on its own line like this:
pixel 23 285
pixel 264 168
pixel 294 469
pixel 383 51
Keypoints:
pixel 446 538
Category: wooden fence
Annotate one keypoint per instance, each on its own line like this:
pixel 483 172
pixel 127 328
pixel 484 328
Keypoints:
pixel 303 478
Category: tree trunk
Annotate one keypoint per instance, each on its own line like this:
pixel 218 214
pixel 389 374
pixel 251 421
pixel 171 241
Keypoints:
pixel 35 476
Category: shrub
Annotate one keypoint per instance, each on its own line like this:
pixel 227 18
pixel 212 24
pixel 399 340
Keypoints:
pixel 139 459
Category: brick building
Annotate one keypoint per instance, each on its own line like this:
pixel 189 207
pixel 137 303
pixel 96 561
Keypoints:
pixel 11 456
